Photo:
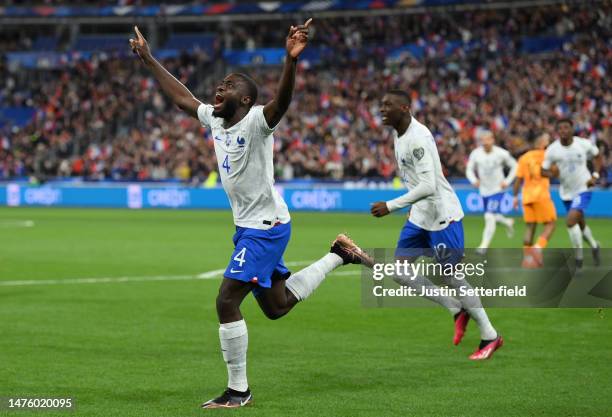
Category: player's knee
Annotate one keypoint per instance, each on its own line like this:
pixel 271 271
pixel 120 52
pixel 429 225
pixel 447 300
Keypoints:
pixel 274 313
pixel 225 302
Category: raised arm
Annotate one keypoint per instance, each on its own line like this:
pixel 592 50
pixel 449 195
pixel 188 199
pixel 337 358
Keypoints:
pixel 296 42
pixel 173 88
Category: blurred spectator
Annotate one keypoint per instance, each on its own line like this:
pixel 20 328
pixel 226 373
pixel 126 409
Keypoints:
pixel 106 119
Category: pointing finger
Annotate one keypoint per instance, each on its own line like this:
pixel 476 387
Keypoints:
pixel 140 37
pixel 308 22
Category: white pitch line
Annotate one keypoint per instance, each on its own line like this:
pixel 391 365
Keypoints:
pixel 16 223
pixel 215 273
pixel 103 280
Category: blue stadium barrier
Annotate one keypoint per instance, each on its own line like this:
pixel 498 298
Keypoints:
pixel 226 8
pixel 138 196
pixel 16 116
pixel 101 42
pixel 45 43
pixel 116 45
pixel 191 41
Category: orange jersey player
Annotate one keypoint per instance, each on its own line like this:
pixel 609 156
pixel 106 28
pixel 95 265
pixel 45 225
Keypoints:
pixel 538 207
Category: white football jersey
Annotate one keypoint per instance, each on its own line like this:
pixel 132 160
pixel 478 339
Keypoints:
pixel 488 168
pixel 416 153
pixel 245 158
pixel 572 163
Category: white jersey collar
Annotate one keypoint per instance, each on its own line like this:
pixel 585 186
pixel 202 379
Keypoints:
pixel 413 121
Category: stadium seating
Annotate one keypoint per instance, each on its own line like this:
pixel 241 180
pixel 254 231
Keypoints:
pixel 102 116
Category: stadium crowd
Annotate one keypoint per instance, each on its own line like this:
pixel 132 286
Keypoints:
pixel 105 118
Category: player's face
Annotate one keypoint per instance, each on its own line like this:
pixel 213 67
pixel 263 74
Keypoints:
pixel 392 110
pixel 565 131
pixel 487 142
pixel 542 142
pixel 228 97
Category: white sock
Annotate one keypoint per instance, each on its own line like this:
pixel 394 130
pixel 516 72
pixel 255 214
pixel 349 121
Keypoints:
pixel 474 307
pixel 575 235
pixel 234 342
pixel 452 305
pixel 489 230
pixel 506 221
pixel 588 236
pixel 304 282
pixel 487 331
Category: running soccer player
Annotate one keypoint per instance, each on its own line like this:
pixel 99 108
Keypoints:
pixel 434 226
pixel 570 154
pixel 485 170
pixel 243 142
pixel 538 207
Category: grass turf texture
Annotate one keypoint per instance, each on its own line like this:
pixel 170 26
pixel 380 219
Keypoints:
pixel 152 348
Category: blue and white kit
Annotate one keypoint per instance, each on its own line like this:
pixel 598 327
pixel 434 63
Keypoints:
pixel 263 225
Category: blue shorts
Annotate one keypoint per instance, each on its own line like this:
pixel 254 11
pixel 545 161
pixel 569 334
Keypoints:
pixel 258 255
pixel 445 245
pixel 580 202
pixel 493 203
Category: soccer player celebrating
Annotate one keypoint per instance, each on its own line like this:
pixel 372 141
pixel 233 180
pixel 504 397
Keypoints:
pixel 243 142
pixel 435 224
pixel 570 155
pixel 538 207
pixel 485 170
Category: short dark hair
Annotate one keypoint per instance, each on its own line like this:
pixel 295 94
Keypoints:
pixel 401 93
pixel 567 120
pixel 252 90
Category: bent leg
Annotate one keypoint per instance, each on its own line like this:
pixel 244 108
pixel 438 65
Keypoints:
pixel 276 301
pixel 451 244
pixel 303 283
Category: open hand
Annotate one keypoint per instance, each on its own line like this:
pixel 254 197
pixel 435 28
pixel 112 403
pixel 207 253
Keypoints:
pixel 379 209
pixel 140 46
pixel 297 39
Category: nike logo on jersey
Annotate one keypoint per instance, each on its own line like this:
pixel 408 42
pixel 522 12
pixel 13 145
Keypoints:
pixel 218 138
pixel 234 271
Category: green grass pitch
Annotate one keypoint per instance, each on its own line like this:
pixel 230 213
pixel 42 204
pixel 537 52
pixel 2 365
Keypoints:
pixel 151 348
